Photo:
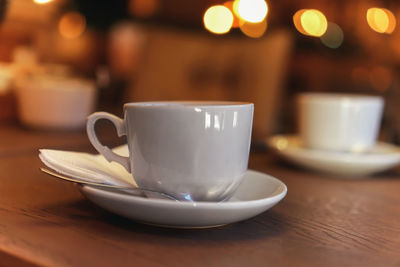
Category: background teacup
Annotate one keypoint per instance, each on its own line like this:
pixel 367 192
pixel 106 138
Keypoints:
pixel 190 150
pixel 339 122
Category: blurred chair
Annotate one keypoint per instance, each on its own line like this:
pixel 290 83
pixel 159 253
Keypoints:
pixel 178 65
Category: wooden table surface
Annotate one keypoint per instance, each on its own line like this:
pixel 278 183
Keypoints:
pixel 323 221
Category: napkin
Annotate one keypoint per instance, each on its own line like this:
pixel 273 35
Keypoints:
pixel 88 167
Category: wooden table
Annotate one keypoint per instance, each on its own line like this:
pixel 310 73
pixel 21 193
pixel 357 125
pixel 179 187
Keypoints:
pixel 323 221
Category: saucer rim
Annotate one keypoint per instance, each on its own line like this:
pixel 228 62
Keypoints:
pixel 394 150
pixel 340 164
pixel 274 197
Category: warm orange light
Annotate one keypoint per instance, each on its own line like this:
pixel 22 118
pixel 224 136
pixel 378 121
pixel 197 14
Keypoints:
pixel 236 18
pixel 297 21
pixel 310 22
pixel 42 2
pixel 254 30
pixel 252 10
pixel 72 25
pixel 314 22
pixel 377 19
pixel 381 20
pixel 392 21
pixel 380 78
pixel 143 8
pixel 218 19
pixel 235 8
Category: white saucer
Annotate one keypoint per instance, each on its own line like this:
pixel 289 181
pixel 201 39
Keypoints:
pixel 257 193
pixel 382 157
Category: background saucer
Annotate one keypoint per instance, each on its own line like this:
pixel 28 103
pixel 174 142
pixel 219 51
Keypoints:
pixel 257 193
pixel 382 157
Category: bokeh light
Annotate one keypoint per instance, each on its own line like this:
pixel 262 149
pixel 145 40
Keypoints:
pixel 252 10
pixel 314 22
pixel 333 37
pixel 143 8
pixel 310 22
pixel 254 30
pixel 236 19
pixel 297 21
pixel 380 78
pixel 381 20
pixel 42 2
pixel 392 21
pixel 235 8
pixel 377 19
pixel 282 144
pixel 72 25
pixel 218 19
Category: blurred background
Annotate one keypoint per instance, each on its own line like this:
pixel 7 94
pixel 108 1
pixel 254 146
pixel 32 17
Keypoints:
pixel 63 59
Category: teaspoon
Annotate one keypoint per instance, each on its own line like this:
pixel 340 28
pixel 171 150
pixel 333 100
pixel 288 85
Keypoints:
pixel 131 190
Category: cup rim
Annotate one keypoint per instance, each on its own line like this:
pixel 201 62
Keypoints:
pixel 334 97
pixel 187 104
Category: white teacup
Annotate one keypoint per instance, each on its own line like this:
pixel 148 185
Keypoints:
pixel 339 122
pixel 190 150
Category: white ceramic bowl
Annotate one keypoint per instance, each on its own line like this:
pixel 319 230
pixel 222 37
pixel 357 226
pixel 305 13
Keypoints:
pixel 55 102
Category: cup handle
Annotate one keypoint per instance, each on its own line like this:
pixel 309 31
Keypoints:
pixel 104 150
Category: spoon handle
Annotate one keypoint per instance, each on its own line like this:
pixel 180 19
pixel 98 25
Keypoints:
pixel 131 190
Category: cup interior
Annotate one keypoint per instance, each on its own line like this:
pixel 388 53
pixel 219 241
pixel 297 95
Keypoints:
pixel 167 104
pixel 325 98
